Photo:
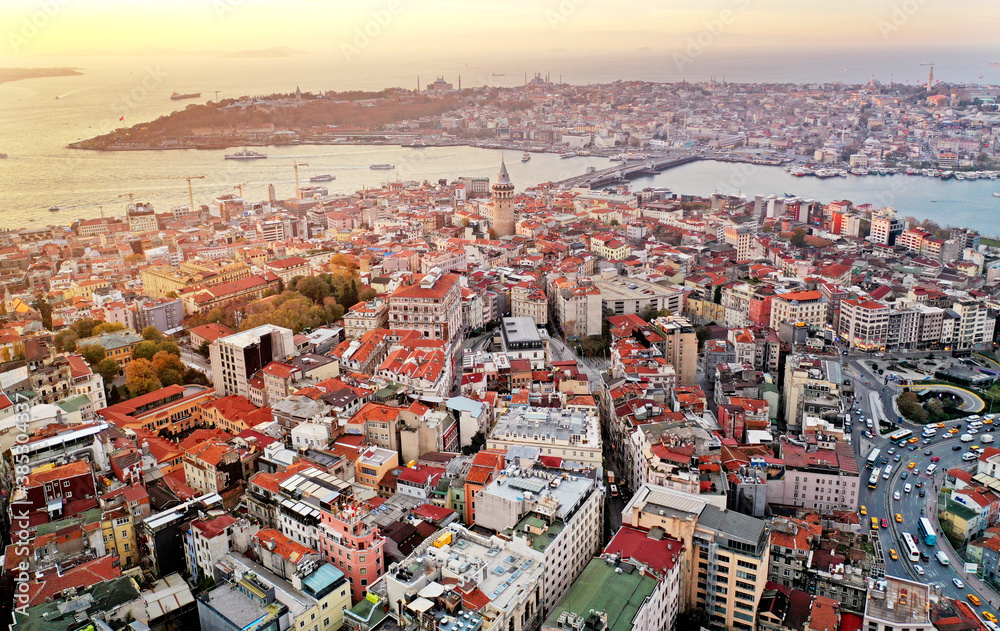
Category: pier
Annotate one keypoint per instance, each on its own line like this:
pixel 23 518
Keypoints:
pixel 625 172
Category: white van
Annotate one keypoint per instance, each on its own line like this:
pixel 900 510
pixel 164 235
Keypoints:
pixel 975 425
pixel 941 557
pixel 966 438
pixel 929 431
pixel 907 488
pixel 931 468
pixel 887 472
pixel 967 456
pixel 986 438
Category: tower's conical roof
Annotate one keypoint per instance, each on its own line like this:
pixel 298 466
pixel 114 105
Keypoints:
pixel 503 177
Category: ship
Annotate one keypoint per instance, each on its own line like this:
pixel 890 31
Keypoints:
pixel 996 194
pixel 995 63
pixel 326 177
pixel 568 154
pixel 54 209
pixel 498 74
pixel 177 96
pixel 381 167
pixel 525 157
pixel 245 154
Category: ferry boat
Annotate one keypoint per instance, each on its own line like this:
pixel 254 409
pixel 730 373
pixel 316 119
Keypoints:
pixel 245 154
pixel 381 167
pixel 568 154
pixel 54 209
pixel 525 156
pixel 326 177
pixel 177 96
pixel 996 194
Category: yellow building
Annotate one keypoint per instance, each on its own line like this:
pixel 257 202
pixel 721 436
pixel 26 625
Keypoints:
pixel 119 536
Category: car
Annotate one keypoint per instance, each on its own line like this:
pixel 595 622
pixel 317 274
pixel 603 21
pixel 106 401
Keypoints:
pixel 913 440
pixel 975 448
pixel 891 450
pixel 912 447
pixel 863 511
pixel 958 583
pixel 920 484
pixel 885 522
pixel 911 465
pixel 879 354
pixel 884 460
pixel 904 475
pixel 922 492
pixel 928 452
pixel 972 430
pixel 988 421
pixel 957 426
pixel 893 555
pixel 896 496
pixel 906 489
pixel 936 459
pixel 973 599
pixel 897 457
pixel 924 556
pixel 874 523
pixel 957 448
pixel 989 616
pixel 919 570
pixel 868 435
pixel 953 431
pixel 968 456
pixel 614 490
pixel 899 518
pixel 926 441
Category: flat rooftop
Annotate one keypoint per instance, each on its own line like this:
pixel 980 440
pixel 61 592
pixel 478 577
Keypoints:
pixel 621 288
pixel 601 589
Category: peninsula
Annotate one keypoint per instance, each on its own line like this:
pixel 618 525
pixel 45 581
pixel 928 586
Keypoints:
pixel 17 74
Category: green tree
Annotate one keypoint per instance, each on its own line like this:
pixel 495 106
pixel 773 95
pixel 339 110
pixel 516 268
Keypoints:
pixel 85 327
pixel 140 378
pixel 196 377
pixel 909 406
pixel 314 288
pixel 203 349
pixel 92 353
pixel 44 308
pixel 152 334
pixel 65 340
pixel 798 238
pixel 108 369
pixel 145 350
pixel 717 295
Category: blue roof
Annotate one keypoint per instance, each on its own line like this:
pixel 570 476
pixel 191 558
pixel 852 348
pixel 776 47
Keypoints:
pixel 465 404
pixel 323 578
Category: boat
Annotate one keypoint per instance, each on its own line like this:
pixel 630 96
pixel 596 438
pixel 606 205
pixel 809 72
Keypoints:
pixel 995 63
pixel 54 209
pixel 568 154
pixel 996 194
pixel 177 96
pixel 3 156
pixel 498 74
pixel 381 167
pixel 326 177
pixel 245 154
pixel 525 156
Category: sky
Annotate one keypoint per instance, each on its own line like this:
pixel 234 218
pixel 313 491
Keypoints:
pixel 427 28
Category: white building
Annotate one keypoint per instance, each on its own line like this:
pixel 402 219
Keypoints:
pixel 560 433
pixel 236 358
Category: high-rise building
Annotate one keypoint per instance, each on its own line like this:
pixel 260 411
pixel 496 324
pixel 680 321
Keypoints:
pixel 353 546
pixel 503 203
pixel 237 357
pixel 432 306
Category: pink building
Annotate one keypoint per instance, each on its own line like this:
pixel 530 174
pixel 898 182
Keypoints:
pixel 356 548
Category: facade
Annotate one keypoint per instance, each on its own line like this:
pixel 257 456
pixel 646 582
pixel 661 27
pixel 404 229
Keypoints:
pixel 864 324
pixel 503 203
pixel 170 410
pixel 165 314
pixel 431 306
pixel 364 317
pixel 808 307
pixel 354 546
pixel 573 436
pixel 236 358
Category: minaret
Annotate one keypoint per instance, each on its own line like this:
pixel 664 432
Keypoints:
pixel 503 203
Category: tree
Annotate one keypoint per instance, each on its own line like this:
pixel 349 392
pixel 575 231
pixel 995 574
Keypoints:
pixel 140 377
pixel 169 367
pixel 196 377
pixel 108 327
pixel 145 350
pixel 92 353
pixel 108 369
pixel 203 349
pixel 65 341
pixel 152 334
pixel 909 406
pixel 798 238
pixel 42 306
pixel 717 297
pixel 314 288
pixel 85 328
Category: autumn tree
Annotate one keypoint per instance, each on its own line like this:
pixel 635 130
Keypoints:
pixel 65 341
pixel 108 327
pixel 168 367
pixel 152 334
pixel 141 378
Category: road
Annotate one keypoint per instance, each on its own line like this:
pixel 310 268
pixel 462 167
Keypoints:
pixel 911 507
pixel 196 361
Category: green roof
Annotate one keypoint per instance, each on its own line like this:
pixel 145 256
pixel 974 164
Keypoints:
pixel 537 542
pixel 600 588
pixel 58 615
pixel 367 613
pixel 76 403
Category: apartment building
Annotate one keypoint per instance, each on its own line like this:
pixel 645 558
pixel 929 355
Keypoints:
pixel 565 434
pixel 809 307
pixel 825 478
pixel 812 387
pixel 364 317
pixel 236 358
pixel 431 305
pixel 898 603
pixel 354 546
pixel 864 324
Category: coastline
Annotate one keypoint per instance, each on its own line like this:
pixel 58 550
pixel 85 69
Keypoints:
pixel 9 75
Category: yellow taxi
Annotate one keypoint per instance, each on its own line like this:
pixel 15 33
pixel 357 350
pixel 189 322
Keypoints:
pixel 989 616
pixel 975 448
pixel 899 518
pixel 911 465
pixel 893 555
pixel 913 440
pixel 874 523
pixel 987 421
pixel 953 431
pixel 973 599
pixel 864 510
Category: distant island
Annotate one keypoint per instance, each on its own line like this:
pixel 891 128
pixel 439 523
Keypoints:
pixel 278 51
pixel 17 74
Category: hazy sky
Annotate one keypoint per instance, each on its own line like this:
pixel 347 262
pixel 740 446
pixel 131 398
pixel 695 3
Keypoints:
pixel 431 28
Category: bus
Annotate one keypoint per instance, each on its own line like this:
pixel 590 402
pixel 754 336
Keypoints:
pixel 873 480
pixel 887 472
pixel 900 435
pixel 910 547
pixel 927 531
pixel 873 458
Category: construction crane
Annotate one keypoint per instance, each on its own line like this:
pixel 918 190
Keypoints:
pixel 131 196
pixel 239 187
pixel 296 166
pixel 190 187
